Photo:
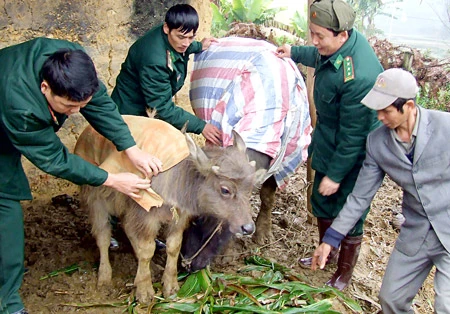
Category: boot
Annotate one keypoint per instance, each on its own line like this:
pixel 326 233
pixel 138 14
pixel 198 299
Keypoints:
pixel 323 224
pixel 348 256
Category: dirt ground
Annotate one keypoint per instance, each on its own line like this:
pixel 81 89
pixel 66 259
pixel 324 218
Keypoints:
pixel 58 236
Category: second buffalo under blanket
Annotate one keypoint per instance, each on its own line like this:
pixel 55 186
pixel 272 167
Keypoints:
pixel 240 84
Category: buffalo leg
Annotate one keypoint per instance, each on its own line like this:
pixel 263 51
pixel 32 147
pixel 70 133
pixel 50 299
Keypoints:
pixel 144 248
pixel 101 230
pixel 264 220
pixel 173 246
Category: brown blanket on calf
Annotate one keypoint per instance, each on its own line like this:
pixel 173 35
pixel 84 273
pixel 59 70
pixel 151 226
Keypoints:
pixel 151 135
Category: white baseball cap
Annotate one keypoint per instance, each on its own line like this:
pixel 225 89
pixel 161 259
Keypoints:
pixel 391 84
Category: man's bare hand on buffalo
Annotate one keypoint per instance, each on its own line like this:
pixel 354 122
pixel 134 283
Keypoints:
pixel 212 134
pixel 127 183
pixel 148 164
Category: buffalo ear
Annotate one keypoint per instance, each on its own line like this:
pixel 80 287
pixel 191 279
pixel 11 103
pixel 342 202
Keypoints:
pixel 151 112
pixel 184 128
pixel 238 142
pixel 197 154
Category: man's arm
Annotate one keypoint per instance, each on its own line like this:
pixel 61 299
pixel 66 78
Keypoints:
pixel 206 42
pixel 305 55
pixel 199 46
pixel 367 184
pixel 37 141
pixel 157 90
pixel 103 115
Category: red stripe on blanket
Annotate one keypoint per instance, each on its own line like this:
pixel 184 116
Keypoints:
pixel 248 93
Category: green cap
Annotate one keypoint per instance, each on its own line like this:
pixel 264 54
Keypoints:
pixel 337 15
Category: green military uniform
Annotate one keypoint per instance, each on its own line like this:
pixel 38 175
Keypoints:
pixel 343 123
pixel 27 127
pixel 151 75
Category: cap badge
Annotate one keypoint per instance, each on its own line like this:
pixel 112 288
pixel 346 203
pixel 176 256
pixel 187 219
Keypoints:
pixel 314 14
pixel 381 83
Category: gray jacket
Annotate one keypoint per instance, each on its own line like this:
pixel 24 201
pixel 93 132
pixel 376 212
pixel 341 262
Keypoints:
pixel 425 182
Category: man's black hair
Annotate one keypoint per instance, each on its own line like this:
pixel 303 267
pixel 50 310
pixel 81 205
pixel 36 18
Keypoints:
pixel 335 33
pixel 70 74
pixel 399 102
pixel 183 17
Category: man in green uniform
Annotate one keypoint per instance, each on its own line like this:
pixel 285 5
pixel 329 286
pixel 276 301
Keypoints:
pixel 346 68
pixel 155 70
pixel 42 82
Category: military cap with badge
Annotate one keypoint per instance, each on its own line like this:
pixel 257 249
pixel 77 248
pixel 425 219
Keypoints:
pixel 337 15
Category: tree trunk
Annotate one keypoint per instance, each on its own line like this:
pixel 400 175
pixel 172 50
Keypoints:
pixel 312 112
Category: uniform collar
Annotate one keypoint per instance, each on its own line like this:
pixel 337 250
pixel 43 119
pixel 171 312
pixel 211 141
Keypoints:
pixel 52 113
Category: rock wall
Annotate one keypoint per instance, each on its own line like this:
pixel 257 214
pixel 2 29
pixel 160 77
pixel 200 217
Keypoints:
pixel 106 29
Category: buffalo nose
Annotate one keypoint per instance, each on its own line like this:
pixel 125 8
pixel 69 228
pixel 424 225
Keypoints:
pixel 248 229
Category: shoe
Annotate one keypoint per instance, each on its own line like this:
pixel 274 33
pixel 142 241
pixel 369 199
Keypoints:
pixel 22 311
pixel 322 224
pixel 160 245
pixel 113 244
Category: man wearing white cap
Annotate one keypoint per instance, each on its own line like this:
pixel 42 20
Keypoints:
pixel 412 149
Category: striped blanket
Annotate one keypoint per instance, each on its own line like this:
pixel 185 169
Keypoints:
pixel 240 84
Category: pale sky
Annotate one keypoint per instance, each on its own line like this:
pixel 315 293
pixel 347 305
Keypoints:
pixel 417 23
pixel 420 23
pixel 293 5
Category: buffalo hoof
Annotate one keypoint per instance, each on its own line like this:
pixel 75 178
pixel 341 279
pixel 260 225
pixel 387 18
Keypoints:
pixel 104 275
pixel 262 237
pixel 145 293
pixel 170 289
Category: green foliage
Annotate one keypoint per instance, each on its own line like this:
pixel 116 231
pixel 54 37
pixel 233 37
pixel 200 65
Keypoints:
pixel 366 10
pixel 300 24
pixel 247 11
pixel 261 286
pixel 66 270
pixel 441 102
pixel 271 288
pixel 281 40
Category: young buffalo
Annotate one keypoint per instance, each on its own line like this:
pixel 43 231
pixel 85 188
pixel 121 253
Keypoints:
pixel 211 181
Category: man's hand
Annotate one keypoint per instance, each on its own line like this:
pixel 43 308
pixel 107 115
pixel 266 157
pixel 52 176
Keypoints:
pixel 127 183
pixel 328 186
pixel 320 256
pixel 284 51
pixel 206 42
pixel 212 134
pixel 147 164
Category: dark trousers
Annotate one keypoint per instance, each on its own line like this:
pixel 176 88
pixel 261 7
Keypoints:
pixel 328 207
pixel 12 245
